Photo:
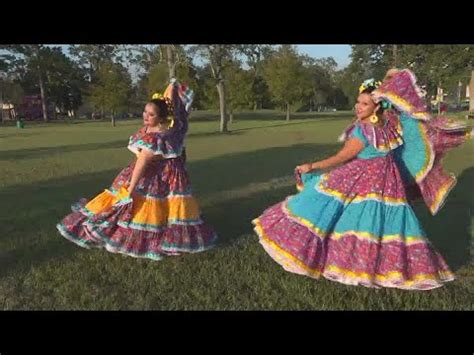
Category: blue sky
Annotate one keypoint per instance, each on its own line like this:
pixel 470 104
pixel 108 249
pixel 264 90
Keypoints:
pixel 340 52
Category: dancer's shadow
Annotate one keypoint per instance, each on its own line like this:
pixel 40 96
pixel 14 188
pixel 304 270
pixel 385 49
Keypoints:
pixel 29 212
pixel 39 152
pixel 450 230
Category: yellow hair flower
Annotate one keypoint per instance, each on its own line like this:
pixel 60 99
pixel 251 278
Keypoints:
pixel 157 96
pixel 369 83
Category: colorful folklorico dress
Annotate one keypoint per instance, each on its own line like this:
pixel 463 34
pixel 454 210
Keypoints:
pixel 354 224
pixel 162 217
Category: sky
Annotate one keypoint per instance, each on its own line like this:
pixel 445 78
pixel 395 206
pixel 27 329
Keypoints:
pixel 340 52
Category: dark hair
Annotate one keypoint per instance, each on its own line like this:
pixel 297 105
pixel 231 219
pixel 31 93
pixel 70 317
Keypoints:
pixel 162 108
pixel 369 91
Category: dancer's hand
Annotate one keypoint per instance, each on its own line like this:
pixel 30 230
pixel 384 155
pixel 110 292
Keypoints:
pixel 123 196
pixel 305 168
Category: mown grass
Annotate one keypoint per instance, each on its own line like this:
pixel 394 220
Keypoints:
pixel 46 167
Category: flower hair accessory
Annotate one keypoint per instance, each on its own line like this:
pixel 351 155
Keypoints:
pixel 369 84
pixel 372 84
pixel 386 105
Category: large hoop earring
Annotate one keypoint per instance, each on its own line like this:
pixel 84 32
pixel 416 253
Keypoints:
pixel 374 118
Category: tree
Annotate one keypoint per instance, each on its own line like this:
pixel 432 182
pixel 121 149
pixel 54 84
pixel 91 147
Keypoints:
pixel 30 58
pixel 175 55
pixel 154 66
pixel 256 55
pixel 321 74
pixel 239 87
pixel 358 70
pixel 434 65
pixel 92 56
pixel 216 56
pixel 112 89
pixel 159 74
pixel 206 96
pixel 339 98
pixel 11 93
pixel 147 56
pixel 286 77
pixel 471 93
pixel 144 56
pixel 187 73
pixel 438 65
pixel 157 79
pixel 64 80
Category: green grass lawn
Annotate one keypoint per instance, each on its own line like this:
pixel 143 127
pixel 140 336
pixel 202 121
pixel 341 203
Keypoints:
pixel 46 167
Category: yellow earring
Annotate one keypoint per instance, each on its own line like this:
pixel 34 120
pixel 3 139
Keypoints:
pixel 374 118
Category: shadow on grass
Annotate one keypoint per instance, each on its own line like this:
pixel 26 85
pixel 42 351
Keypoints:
pixel 29 213
pixel 450 229
pixel 269 115
pixel 46 151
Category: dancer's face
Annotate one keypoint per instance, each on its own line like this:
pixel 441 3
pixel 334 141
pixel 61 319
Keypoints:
pixel 150 115
pixel 365 106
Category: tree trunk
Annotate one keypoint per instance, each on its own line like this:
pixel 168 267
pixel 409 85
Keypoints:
pixel 287 111
pixel 440 97
pixel 310 105
pixel 459 93
pixel 113 119
pixel 1 104
pixel 220 90
pixel 41 84
pixel 55 113
pixel 43 98
pixel 170 61
pixel 471 93
pixel 395 55
pixel 231 116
